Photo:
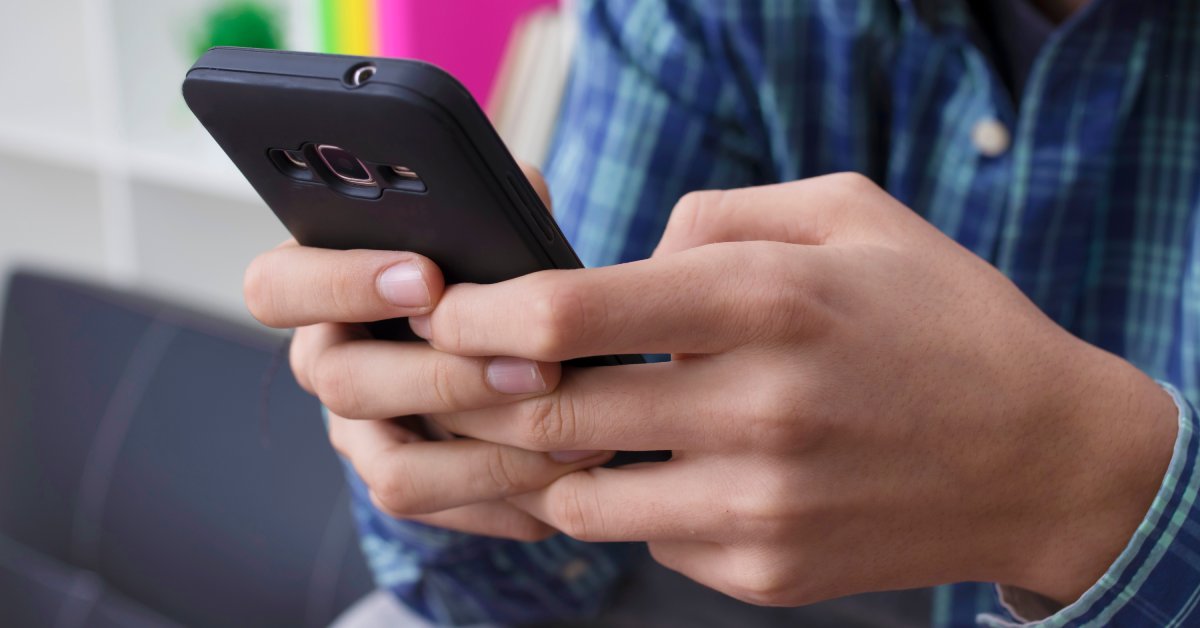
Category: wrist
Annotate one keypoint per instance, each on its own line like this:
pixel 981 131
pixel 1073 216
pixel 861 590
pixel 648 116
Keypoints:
pixel 1121 428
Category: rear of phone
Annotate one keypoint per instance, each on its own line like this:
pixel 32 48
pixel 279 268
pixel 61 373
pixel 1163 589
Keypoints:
pixel 290 120
pixel 386 154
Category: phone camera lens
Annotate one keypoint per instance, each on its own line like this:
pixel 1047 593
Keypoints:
pixel 346 166
pixel 360 74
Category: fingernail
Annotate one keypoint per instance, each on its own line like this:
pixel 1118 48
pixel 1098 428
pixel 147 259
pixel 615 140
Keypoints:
pixel 404 285
pixel 420 326
pixel 515 376
pixel 573 456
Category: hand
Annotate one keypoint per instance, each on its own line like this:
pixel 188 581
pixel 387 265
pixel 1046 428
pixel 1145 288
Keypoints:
pixel 856 403
pixel 457 484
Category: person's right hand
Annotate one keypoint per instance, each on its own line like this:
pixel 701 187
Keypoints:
pixel 365 383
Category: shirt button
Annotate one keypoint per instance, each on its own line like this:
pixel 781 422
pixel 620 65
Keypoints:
pixel 574 570
pixel 990 137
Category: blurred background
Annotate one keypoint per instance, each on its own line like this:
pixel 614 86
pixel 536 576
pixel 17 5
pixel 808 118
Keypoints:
pixel 107 175
pixel 159 466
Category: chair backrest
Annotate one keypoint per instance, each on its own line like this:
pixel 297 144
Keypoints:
pixel 159 465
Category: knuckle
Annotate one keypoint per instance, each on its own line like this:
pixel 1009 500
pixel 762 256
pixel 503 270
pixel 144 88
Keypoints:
pixel 447 326
pixel 765 506
pixel 394 488
pixel 336 385
pixel 773 264
pixel 758 513
pixel 775 418
pixel 501 471
pixel 789 413
pixel 760 582
pixel 443 384
pixel 572 515
pixel 665 555
pixel 559 319
pixel 338 439
pixel 693 208
pixel 778 508
pixel 772 432
pixel 854 201
pixel 550 423
pixel 690 219
pixel 687 211
pixel 771 292
pixel 659 554
pixel 774 299
pixel 785 298
pixel 298 360
pixel 853 183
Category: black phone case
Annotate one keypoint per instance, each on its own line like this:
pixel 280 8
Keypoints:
pixel 479 218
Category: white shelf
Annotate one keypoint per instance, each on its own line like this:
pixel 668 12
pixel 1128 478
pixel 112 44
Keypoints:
pixel 50 147
pixel 203 173
pixel 48 217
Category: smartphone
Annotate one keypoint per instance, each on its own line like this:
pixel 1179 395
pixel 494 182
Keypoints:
pixel 385 154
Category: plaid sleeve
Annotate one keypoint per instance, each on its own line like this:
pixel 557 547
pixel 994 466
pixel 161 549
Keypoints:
pixel 456 579
pixel 1156 580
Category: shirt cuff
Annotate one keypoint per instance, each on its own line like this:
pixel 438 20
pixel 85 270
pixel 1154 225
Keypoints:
pixel 1155 581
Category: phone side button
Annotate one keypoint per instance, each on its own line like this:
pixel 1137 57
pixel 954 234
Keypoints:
pixel 532 209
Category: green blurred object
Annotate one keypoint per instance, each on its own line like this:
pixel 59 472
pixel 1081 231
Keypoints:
pixel 246 24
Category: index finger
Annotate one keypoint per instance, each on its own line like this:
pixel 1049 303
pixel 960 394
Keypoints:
pixel 704 300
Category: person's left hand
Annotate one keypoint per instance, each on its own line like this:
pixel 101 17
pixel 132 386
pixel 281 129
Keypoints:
pixel 855 403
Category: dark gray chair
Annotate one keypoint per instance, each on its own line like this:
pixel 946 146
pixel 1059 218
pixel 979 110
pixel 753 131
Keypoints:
pixel 160 467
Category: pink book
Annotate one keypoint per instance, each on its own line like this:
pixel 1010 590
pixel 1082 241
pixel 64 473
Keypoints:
pixel 466 37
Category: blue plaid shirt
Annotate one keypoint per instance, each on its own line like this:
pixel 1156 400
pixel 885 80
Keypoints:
pixel 1091 204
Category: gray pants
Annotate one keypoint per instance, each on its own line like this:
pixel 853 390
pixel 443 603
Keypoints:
pixel 655 597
